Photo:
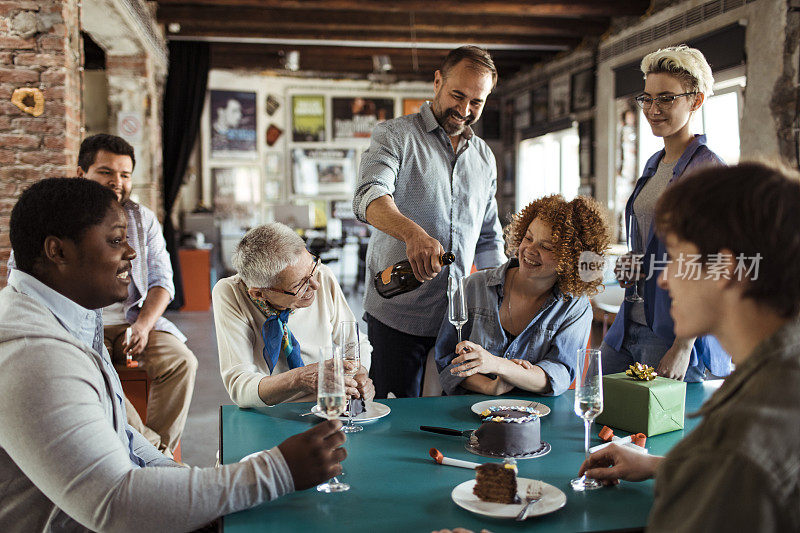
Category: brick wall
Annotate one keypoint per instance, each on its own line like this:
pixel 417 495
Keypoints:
pixel 39 47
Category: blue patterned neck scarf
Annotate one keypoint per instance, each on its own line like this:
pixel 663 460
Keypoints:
pixel 277 337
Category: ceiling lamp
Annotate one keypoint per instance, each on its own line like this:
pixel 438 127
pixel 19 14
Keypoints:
pixel 381 63
pixel 291 60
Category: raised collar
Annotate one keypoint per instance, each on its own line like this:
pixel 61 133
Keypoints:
pixel 430 122
pixel 497 277
pixel 780 345
pixel 680 165
pixel 76 319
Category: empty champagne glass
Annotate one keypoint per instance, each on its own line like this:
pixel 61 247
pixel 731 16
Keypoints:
pixel 331 399
pixel 634 263
pixel 350 348
pixel 457 303
pixel 588 404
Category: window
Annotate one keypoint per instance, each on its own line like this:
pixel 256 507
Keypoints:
pixel 548 165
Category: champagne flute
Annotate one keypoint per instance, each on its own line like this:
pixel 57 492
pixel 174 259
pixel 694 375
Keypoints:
pixel 331 399
pixel 634 263
pixel 588 404
pixel 457 305
pixel 350 346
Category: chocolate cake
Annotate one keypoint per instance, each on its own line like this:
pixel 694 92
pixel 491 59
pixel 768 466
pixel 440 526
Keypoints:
pixel 496 482
pixel 355 406
pixel 508 431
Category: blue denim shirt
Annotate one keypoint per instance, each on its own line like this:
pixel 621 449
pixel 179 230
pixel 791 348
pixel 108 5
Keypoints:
pixel 706 349
pixel 551 340
pixel 451 195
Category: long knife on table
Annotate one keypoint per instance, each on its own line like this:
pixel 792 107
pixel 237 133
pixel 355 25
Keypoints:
pixel 448 431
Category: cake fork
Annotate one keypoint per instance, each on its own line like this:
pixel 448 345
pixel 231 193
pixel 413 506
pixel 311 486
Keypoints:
pixel 532 495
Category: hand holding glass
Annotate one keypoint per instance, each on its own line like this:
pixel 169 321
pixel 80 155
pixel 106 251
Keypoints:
pixel 457 304
pixel 350 347
pixel 588 404
pixel 331 398
pixel 634 265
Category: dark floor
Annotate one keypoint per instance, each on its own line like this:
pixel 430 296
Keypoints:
pixel 200 439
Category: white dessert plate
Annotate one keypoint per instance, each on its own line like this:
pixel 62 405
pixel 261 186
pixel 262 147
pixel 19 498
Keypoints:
pixel 372 411
pixel 480 407
pixel 552 500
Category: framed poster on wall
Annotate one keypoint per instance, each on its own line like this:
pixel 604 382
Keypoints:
pixel 586 148
pixel 233 124
pixel 583 90
pixel 539 103
pixel 236 191
pixel 308 118
pixel 559 97
pixel 323 171
pixel 354 118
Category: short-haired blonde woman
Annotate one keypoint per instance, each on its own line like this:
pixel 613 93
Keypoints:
pixel 273 317
pixel 677 82
pixel 529 316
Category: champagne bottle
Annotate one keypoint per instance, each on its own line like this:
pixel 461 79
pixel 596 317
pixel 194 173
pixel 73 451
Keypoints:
pixel 399 278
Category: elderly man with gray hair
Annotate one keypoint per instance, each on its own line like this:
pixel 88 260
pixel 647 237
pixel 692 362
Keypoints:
pixel 273 317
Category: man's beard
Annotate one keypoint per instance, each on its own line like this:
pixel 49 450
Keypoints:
pixel 450 128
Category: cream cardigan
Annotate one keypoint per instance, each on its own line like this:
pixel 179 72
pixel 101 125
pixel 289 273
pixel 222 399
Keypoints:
pixel 238 323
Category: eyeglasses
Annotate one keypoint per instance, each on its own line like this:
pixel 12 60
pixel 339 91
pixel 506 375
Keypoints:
pixel 663 101
pixel 305 284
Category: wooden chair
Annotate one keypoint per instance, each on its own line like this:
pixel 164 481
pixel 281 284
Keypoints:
pixel 136 386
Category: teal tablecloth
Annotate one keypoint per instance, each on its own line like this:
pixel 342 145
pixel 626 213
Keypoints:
pixel 396 486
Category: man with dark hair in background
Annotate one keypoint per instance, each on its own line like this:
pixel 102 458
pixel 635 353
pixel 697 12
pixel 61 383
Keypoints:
pixel 68 459
pixel 155 341
pixel 427 185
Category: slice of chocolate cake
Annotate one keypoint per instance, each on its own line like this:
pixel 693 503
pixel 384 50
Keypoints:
pixel 355 406
pixel 496 482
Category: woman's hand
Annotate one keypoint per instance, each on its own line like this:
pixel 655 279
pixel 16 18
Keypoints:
pixel 675 362
pixel 364 388
pixel 614 463
pixel 474 359
pixel 306 379
pixel 628 269
pixel 524 363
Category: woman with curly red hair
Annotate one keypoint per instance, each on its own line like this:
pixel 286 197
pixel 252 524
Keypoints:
pixel 529 316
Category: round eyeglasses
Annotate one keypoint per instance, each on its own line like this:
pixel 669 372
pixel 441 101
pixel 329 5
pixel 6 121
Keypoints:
pixel 663 101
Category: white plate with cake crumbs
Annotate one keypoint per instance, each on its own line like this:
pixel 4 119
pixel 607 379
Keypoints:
pixel 372 411
pixel 552 500
pixel 540 408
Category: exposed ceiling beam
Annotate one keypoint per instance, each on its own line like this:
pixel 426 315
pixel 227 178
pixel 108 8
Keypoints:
pixel 274 20
pixel 366 39
pixel 543 8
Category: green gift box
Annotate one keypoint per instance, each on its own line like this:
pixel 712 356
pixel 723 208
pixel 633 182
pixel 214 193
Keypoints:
pixel 649 407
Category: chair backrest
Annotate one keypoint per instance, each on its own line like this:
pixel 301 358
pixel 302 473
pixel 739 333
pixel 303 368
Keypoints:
pixel 430 381
pixel 588 345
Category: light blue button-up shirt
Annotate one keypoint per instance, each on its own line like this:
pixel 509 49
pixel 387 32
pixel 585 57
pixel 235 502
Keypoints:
pixel 451 195
pixel 85 325
pixel 551 339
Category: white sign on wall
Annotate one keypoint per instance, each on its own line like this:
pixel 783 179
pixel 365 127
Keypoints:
pixel 130 125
